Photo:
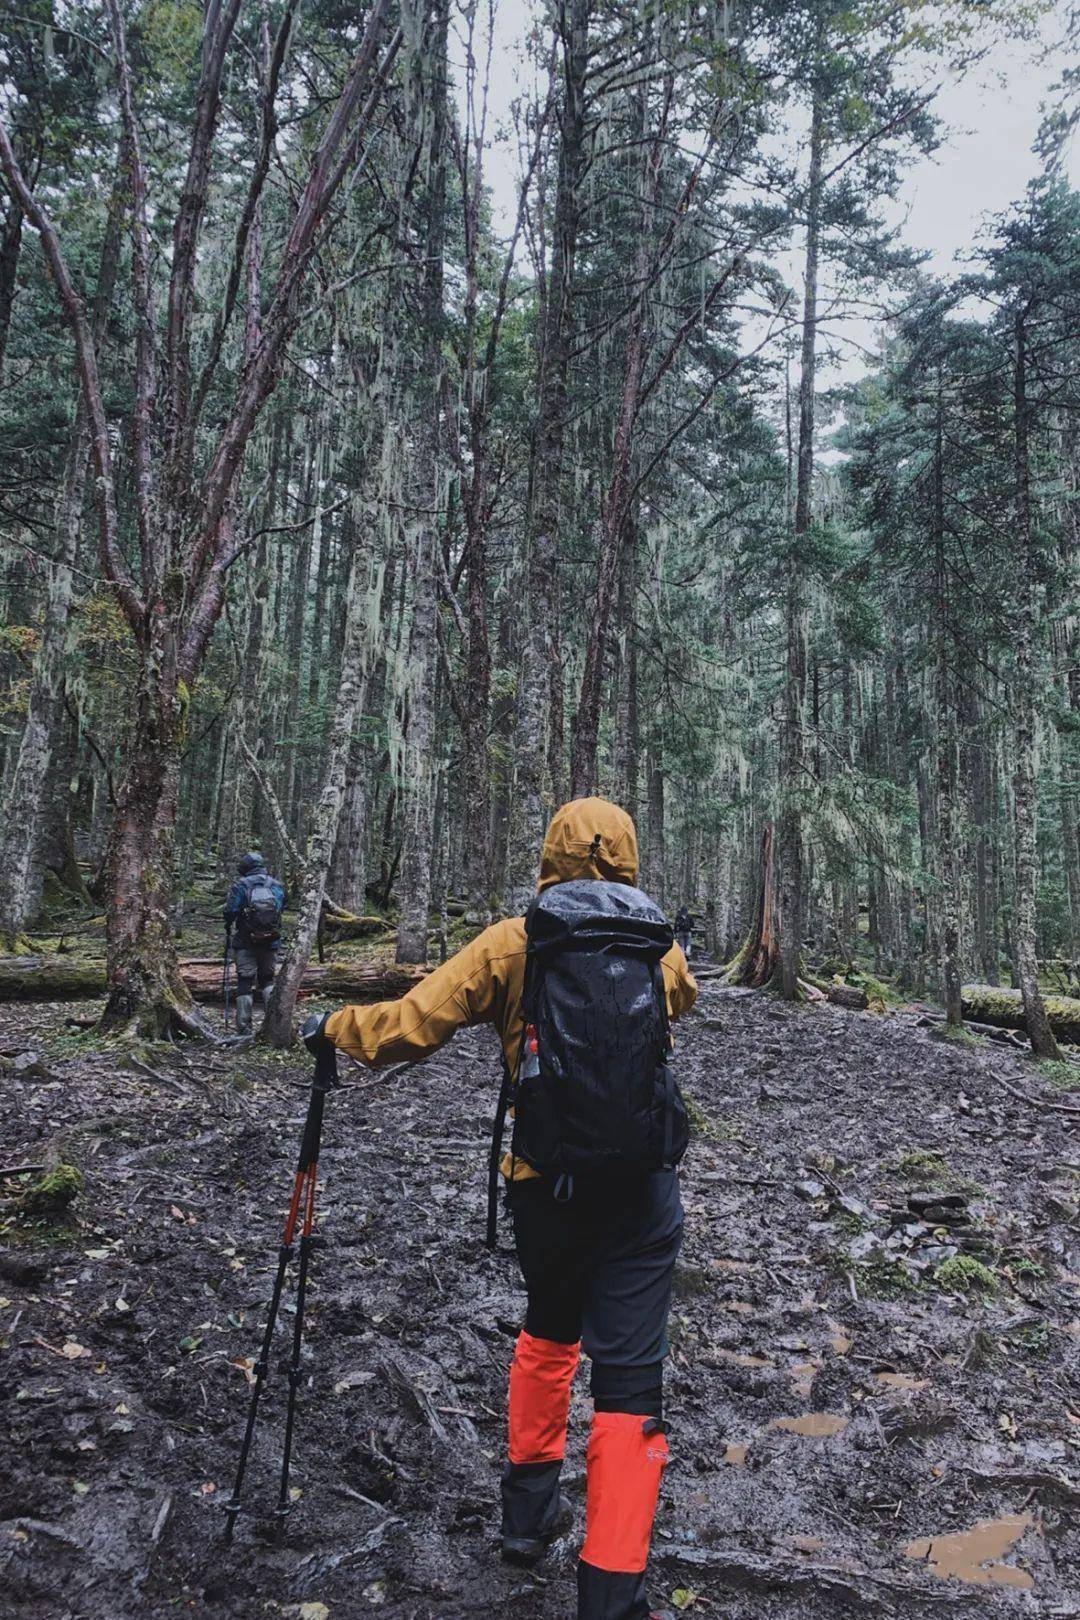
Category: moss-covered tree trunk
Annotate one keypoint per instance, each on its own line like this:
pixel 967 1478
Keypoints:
pixel 327 815
pixel 540 669
pixel 419 707
pixel 1024 810
pixel 22 811
pixel 945 747
pixel 145 992
pixel 793 761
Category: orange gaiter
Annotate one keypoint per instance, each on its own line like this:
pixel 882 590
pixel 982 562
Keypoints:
pixel 541 1374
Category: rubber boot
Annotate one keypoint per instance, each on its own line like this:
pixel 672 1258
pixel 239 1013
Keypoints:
pixel 534 1510
pixel 625 1463
pixel 244 1006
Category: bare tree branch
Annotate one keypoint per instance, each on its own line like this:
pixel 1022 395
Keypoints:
pixel 112 561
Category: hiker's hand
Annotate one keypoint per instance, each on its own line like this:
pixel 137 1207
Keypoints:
pixel 314 1036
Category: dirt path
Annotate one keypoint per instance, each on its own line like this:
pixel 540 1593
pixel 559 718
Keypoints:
pixel 122 1353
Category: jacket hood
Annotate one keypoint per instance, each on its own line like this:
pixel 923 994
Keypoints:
pixel 589 838
pixel 250 863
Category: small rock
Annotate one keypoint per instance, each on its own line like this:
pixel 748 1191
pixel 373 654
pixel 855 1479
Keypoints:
pixel 924 1203
pixel 28 1066
pixel 809 1190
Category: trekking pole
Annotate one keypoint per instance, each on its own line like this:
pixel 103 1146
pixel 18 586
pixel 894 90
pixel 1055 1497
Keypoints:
pixel 225 974
pixel 302 1213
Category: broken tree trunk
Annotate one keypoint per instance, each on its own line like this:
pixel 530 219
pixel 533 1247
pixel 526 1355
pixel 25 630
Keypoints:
pixel 990 1004
pixel 759 959
pixel 60 978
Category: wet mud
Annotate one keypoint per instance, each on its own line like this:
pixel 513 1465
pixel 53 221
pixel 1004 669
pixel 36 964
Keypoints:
pixel 854 1426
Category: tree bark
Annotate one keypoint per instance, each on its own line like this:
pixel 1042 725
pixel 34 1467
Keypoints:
pixel 350 700
pixel 21 814
pixel 1040 1034
pixel 793 739
pixel 539 671
pixel 418 766
pixel 945 748
pixel 758 962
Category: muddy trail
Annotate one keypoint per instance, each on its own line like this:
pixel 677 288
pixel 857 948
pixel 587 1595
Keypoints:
pixel 873 1393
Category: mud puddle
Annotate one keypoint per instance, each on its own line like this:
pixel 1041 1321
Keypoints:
pixel 975 1555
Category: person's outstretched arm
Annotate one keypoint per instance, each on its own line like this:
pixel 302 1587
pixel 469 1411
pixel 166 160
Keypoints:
pixel 468 989
pixel 679 982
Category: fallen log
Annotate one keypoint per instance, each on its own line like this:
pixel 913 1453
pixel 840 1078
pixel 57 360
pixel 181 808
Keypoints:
pixel 49 978
pixel 846 995
pixel 990 1004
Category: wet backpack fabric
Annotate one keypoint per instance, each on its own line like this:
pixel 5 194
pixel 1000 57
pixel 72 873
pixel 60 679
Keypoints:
pixel 594 1094
pixel 260 909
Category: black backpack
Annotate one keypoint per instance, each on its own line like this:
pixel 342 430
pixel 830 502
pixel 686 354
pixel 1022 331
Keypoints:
pixel 593 1091
pixel 260 913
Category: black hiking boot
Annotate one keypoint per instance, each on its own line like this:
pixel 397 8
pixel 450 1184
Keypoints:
pixel 535 1511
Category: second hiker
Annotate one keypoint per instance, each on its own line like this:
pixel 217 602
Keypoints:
pixel 253 912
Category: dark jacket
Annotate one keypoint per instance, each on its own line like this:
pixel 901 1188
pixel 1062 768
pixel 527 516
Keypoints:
pixel 237 896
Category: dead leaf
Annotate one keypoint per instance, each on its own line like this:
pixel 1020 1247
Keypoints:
pixel 207 1488
pixel 352 1380
pixel 73 1351
pixel 314 1611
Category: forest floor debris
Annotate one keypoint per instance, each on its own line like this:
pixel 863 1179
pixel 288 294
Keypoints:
pixel 849 1434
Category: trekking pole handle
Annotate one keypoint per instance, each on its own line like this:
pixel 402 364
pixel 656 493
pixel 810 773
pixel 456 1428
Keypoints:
pixel 314 1036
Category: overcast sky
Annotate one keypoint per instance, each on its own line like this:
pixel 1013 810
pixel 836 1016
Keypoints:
pixel 983 165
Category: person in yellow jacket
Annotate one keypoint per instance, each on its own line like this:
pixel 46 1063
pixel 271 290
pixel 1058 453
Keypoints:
pixel 597 1267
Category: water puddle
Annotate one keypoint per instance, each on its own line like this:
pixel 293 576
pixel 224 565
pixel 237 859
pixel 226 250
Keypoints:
pixel 839 1341
pixel 814 1425
pixel 895 1380
pixel 802 1377
pixel 974 1555
pixel 735 1454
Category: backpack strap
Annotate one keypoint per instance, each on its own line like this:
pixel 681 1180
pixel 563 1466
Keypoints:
pixel 506 1093
pixel 495 1156
pixel 668 1071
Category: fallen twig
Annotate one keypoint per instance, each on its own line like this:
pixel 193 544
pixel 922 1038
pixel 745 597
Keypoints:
pixel 1034 1102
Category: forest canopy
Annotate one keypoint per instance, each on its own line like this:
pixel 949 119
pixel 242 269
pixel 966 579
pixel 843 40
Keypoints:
pixel 387 457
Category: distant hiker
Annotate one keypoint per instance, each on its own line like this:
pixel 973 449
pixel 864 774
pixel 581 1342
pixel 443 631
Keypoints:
pixel 684 927
pixel 253 911
pixel 599 1126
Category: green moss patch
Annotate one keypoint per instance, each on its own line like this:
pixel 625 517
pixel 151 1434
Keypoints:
pixel 963 1274
pixel 1060 1073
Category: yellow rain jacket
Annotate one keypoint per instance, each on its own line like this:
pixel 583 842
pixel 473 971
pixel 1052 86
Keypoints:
pixel 483 983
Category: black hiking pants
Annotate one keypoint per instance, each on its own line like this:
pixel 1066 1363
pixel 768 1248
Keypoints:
pixel 599 1268
pixel 255 964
